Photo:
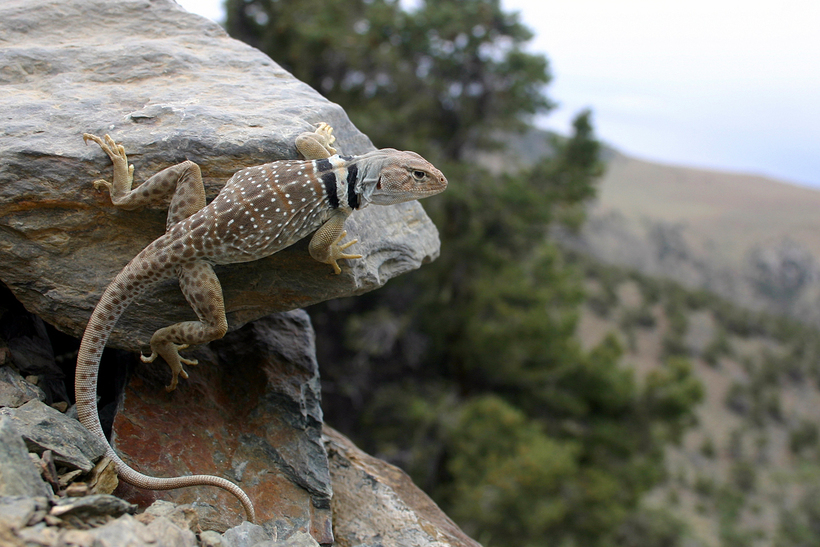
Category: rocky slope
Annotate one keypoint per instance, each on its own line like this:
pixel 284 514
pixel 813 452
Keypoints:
pixel 751 239
pixel 745 472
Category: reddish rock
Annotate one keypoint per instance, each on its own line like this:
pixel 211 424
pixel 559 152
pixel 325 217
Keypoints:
pixel 249 412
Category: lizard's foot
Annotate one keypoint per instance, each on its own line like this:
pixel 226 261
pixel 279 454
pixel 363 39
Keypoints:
pixel 336 253
pixel 170 352
pixel 317 144
pixel 324 134
pixel 122 171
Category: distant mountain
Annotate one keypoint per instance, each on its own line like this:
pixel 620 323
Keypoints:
pixel 753 240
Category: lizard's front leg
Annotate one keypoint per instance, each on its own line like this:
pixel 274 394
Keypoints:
pixel 325 244
pixel 184 180
pixel 201 288
pixel 316 145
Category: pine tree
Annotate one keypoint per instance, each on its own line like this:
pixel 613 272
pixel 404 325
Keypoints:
pixel 468 372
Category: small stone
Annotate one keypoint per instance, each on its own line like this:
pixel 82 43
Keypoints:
pixel 60 406
pixel 92 506
pixel 15 391
pixel 298 539
pixel 78 538
pixel 183 516
pixel 32 379
pixel 67 478
pixel 103 478
pixel 77 490
pixel 48 470
pixel 245 535
pixel 171 534
pixel 209 538
pixel 51 520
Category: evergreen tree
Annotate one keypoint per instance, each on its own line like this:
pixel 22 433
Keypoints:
pixel 468 373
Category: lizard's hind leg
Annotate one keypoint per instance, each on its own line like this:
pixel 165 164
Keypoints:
pixel 201 288
pixel 184 180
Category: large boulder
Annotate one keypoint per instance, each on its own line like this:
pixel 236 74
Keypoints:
pixel 170 86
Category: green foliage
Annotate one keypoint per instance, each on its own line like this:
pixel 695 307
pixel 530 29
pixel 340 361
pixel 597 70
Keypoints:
pixel 705 486
pixel 452 73
pixel 743 476
pixel 707 448
pixel 718 347
pixel 804 437
pixel 509 476
pixel 672 393
pixel 468 373
pixel 651 528
pixel 800 526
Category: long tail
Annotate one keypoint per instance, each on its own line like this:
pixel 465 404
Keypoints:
pixel 128 284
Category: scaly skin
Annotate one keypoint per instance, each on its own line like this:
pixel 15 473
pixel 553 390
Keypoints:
pixel 260 211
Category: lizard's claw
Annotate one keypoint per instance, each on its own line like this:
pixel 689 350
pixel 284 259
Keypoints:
pixel 102 183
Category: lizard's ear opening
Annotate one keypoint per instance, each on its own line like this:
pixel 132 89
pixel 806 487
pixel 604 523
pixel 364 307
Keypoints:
pixel 379 184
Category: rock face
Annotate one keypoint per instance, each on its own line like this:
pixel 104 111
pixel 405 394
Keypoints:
pixel 375 503
pixel 249 412
pixel 171 86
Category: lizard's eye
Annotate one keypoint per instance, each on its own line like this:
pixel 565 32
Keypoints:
pixel 419 175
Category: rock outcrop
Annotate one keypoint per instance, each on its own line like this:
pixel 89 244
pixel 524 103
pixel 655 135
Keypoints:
pixel 376 503
pixel 171 86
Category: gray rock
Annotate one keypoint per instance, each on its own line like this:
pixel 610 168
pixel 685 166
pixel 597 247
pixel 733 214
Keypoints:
pixel 183 516
pixel 171 86
pixel 18 475
pixel 126 530
pixel 15 391
pixel 19 511
pixel 96 505
pixel 209 538
pixel 299 539
pixel 245 535
pixel 375 503
pixel 44 428
pixel 42 535
pixel 170 534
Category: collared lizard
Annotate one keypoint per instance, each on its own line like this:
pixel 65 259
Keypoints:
pixel 260 211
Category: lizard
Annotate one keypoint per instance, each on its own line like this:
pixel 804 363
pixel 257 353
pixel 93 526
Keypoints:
pixel 259 211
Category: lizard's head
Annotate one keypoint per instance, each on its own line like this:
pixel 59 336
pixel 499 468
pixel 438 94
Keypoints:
pixel 401 176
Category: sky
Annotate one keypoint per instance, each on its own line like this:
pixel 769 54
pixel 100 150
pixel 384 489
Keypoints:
pixel 732 85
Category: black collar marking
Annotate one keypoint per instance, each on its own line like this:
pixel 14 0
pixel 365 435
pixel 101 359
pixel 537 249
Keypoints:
pixel 325 169
pixel 352 177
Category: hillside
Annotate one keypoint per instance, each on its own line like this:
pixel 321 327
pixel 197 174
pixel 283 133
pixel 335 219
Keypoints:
pixel 751 239
pixel 746 472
